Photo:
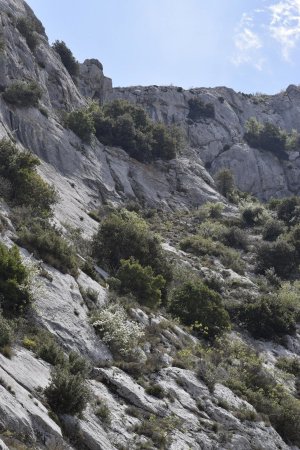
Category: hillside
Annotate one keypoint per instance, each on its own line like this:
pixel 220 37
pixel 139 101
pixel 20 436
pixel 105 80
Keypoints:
pixel 149 258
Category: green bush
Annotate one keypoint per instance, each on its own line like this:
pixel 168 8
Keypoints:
pixel 156 391
pixel 27 187
pixel 200 307
pixel 280 255
pixel 23 94
pixel 124 125
pixel 6 333
pixel 141 282
pixel 272 230
pixel 67 393
pixel 268 317
pixel 14 280
pixel 289 364
pixel 235 237
pixel 201 246
pixel 288 210
pixel 252 215
pixel 81 123
pixel 123 234
pixel 67 58
pixel 269 137
pixel 198 109
pixel 27 29
pixel 225 182
pixel 45 242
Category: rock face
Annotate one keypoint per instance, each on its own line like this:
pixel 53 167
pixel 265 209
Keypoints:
pixel 87 176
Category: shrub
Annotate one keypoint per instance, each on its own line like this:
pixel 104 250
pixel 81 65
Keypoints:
pixel 205 246
pixel 198 109
pixel 81 123
pixel 67 393
pixel 225 182
pixel 156 391
pixel 115 329
pixel 122 124
pixel 23 94
pixel 141 282
pixel 67 58
pixel 269 316
pixel 14 280
pixel 272 230
pixel 51 352
pixel 6 334
pixel 200 307
pixel 289 364
pixel 45 242
pixel 269 137
pixel 103 412
pixel 27 187
pixel 124 234
pixel 27 29
pixel 235 237
pixel 280 255
pixel 287 209
pixel 252 215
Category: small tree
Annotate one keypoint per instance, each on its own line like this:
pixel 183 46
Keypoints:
pixel 82 124
pixel 67 393
pixel 14 278
pixel 141 282
pixel 67 58
pixel 280 255
pixel 200 307
pixel 23 94
pixel 225 182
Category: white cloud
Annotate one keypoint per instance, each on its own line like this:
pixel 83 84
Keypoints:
pixel 279 20
pixel 247 44
pixel 285 25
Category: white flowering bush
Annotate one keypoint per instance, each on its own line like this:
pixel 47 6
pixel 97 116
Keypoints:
pixel 117 330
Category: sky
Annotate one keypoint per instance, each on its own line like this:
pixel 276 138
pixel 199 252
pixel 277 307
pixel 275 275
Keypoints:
pixel 249 45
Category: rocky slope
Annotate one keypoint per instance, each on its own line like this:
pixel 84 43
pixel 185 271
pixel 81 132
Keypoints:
pixel 191 415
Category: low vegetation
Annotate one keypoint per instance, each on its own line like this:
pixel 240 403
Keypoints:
pixel 23 94
pixel 122 124
pixel 67 58
pixel 271 138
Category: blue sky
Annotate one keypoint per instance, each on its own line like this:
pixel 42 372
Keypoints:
pixel 249 45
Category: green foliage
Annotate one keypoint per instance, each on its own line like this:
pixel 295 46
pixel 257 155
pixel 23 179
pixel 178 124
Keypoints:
pixel 289 364
pixel 272 230
pixel 67 393
pixel 225 182
pixel 158 429
pixel 198 109
pixel 122 124
pixel 27 29
pixel 269 316
pixel 200 307
pixel 156 391
pixel 103 412
pixel 141 282
pixel 280 255
pixel 288 210
pixel 27 187
pixel 123 234
pixel 50 351
pixel 14 280
pixel 67 58
pixel 6 334
pixel 201 246
pixel 81 123
pixel 252 215
pixel 23 94
pixel 235 237
pixel 269 137
pixel 46 242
